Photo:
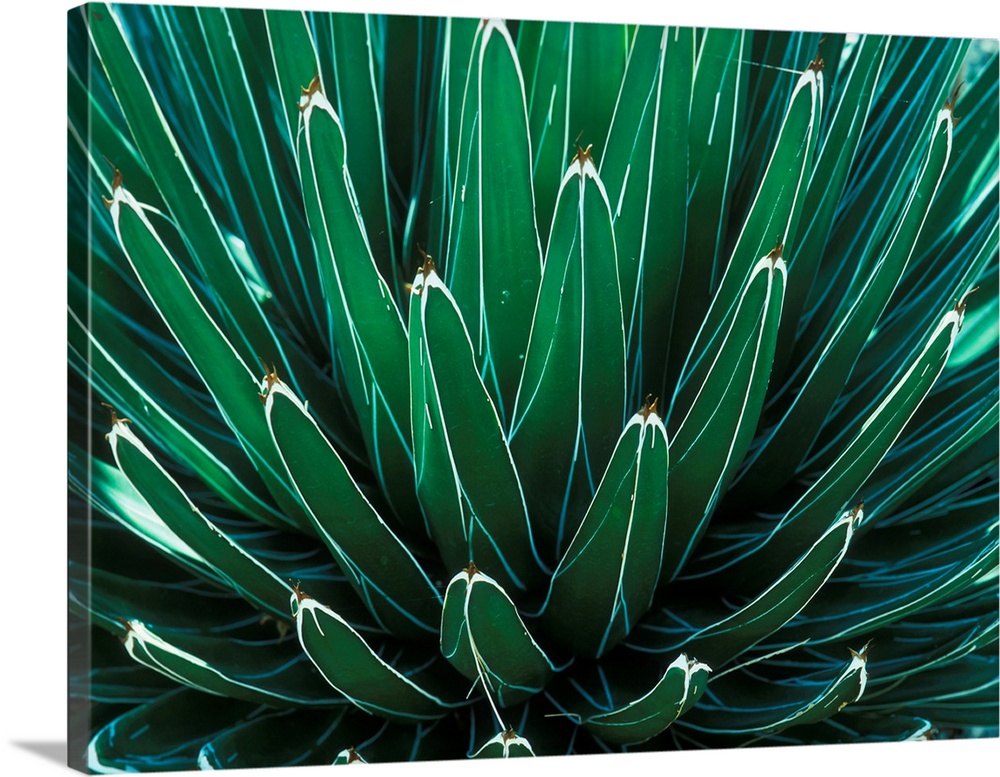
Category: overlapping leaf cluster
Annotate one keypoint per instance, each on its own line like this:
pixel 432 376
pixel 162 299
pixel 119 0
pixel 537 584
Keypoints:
pixel 482 388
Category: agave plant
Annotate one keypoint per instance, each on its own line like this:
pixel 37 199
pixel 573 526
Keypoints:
pixel 475 388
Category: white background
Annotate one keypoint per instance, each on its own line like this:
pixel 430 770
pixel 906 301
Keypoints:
pixel 32 364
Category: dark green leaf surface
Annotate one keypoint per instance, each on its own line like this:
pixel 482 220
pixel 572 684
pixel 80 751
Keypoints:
pixel 494 257
pixel 484 638
pixel 466 481
pixel 605 581
pixel 413 687
pixel 571 402
pixel 383 571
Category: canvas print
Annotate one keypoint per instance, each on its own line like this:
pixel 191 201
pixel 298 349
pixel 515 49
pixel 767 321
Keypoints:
pixel 448 388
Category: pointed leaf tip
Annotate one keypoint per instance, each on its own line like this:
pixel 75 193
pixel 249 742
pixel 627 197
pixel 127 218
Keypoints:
pixel 308 92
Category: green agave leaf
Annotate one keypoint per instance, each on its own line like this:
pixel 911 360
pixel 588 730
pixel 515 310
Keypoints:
pixel 608 716
pixel 713 142
pixel 368 331
pixel 163 735
pixel 260 672
pixel 295 60
pixel 405 689
pixel 121 373
pixel 917 77
pixel 851 726
pixel 110 493
pixel 905 580
pixel 834 159
pixel 224 372
pixel 744 706
pixel 842 480
pixel 574 76
pixel 466 480
pixel 645 172
pixel 606 579
pixel 570 405
pixel 354 91
pixel 244 573
pixel 287 738
pixel 960 694
pixel 115 598
pixel 717 429
pixel 241 317
pixel 795 433
pixel 759 618
pixel 380 567
pixel 484 638
pixel 506 744
pixel 276 234
pixel 494 255
pixel 430 214
pixel 774 215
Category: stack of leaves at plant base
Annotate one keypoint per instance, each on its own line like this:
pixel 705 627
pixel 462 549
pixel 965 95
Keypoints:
pixel 484 389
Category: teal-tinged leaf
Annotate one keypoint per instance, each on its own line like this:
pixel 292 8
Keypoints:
pixel 430 209
pixel 383 571
pixel 506 744
pixel 260 672
pixel 494 256
pixel 241 318
pixel 958 695
pixel 715 432
pixel 605 581
pixel 163 735
pixel 714 139
pixel 834 160
pixel 842 481
pixel 573 82
pixel 276 234
pixel 295 61
pixel 122 375
pixel 787 444
pixel 406 686
pixel 571 402
pixel 897 578
pixel 368 332
pixel 917 77
pixel 110 493
pixel 744 706
pixel 229 379
pixel 287 738
pixel 468 488
pixel 353 88
pixel 645 170
pixel 545 65
pixel 774 216
pixel 244 573
pixel 734 632
pixel 616 717
pixel 484 638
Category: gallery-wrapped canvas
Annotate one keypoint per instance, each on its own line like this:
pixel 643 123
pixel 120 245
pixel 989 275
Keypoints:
pixel 448 388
